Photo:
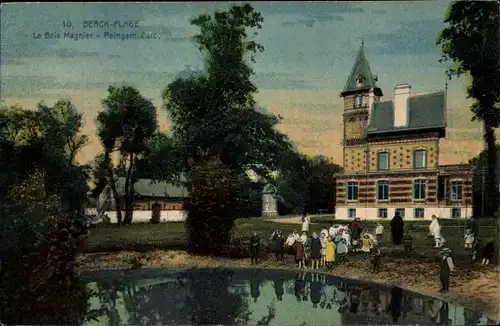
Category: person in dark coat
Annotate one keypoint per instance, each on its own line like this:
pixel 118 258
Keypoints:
pixel 472 226
pixel 446 266
pixel 278 286
pixel 278 243
pixel 395 304
pixel 315 290
pixel 254 248
pixel 375 252
pixel 255 283
pixel 408 242
pixel 299 253
pixel 488 252
pixel 356 230
pixel 315 251
pixel 397 227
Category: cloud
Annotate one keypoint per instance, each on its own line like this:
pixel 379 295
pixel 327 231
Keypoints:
pixel 74 53
pixel 41 86
pixel 414 37
pixel 176 39
pixel 305 22
pixel 306 9
pixel 378 11
pixel 278 81
pixel 313 19
pixel 11 61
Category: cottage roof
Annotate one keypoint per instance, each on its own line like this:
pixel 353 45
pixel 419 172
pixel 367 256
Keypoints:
pixel 151 188
pixel 426 111
pixel 361 67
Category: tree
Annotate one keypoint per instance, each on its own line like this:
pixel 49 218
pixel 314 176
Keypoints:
pixel 309 184
pixel 321 184
pixel 471 42
pixel 160 160
pixel 51 135
pixel 213 113
pixel 40 189
pixel 480 195
pixel 63 123
pixel 125 125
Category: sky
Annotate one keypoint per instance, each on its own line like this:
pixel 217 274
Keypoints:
pixel 309 51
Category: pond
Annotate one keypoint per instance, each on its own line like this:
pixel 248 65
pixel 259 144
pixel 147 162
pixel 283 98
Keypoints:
pixel 258 297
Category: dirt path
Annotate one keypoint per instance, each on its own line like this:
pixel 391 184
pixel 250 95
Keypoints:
pixel 475 287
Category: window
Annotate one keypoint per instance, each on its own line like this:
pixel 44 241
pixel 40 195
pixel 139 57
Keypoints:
pixel 418 213
pixel 382 213
pixel 360 80
pixel 383 161
pixel 401 212
pixel 441 187
pixel 351 212
pixel 359 101
pixel 419 159
pixel 419 186
pixel 383 190
pixel 456 212
pixel 352 191
pixel 456 190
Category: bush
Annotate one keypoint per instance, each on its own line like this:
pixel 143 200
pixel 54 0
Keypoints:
pixel 38 267
pixel 211 212
pixel 239 247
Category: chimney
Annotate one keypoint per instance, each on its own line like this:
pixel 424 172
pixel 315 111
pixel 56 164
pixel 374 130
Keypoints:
pixel 401 110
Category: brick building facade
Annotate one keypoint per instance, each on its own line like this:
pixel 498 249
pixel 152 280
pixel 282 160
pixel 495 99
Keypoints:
pixel 391 154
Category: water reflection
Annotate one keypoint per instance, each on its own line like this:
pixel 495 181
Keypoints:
pixel 259 297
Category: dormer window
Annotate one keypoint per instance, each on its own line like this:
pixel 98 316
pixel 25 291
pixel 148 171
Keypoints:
pixel 360 80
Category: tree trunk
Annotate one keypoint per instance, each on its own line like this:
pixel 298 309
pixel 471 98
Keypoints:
pixel 492 202
pixel 112 185
pixel 129 193
pixel 118 207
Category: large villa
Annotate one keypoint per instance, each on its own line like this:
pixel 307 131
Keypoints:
pixel 391 154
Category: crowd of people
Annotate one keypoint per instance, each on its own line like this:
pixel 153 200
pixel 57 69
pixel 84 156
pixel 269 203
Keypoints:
pixel 332 245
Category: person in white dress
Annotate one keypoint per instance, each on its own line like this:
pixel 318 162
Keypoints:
pixel 435 231
pixel 305 223
pixel 379 232
pixel 346 236
pixel 324 232
pixel 469 239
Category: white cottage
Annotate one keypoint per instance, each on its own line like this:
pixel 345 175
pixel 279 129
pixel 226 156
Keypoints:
pixel 149 195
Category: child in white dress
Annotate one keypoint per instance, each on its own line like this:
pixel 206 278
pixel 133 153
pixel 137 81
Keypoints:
pixel 469 239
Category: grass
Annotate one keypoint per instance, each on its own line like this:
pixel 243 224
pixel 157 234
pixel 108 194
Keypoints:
pixel 144 237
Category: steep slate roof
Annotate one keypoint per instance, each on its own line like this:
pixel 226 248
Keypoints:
pixel 147 188
pixel 361 67
pixel 425 111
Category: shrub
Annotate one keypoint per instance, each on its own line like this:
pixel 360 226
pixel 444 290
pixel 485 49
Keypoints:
pixel 38 267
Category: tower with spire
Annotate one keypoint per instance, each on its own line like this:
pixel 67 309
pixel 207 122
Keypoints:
pixel 359 93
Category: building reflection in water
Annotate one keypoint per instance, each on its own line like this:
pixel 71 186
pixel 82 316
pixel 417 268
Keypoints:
pixel 261 297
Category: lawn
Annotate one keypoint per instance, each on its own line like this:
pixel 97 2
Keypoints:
pixel 145 237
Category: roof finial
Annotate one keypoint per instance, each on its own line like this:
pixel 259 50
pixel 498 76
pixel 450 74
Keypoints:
pixel 362 42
